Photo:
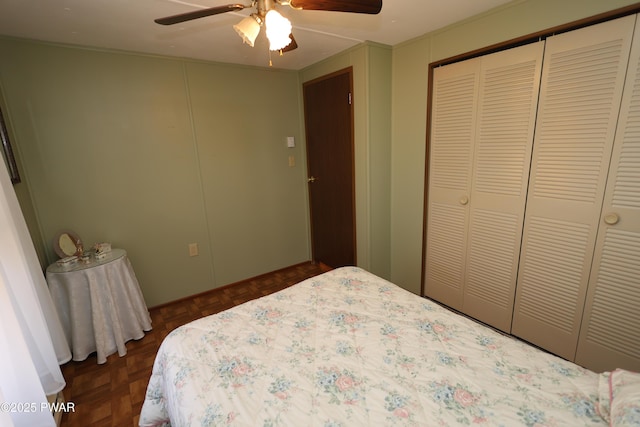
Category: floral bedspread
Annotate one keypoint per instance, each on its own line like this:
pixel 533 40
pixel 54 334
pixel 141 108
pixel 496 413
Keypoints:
pixel 347 348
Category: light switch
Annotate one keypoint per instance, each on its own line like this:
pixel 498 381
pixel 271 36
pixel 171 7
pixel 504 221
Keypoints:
pixel 291 142
pixel 193 249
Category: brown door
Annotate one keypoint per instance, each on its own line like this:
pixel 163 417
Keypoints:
pixel 328 116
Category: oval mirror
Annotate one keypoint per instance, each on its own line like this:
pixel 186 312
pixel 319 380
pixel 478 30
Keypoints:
pixel 66 243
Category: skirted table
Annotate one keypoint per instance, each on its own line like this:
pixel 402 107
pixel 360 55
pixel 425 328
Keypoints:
pixel 100 305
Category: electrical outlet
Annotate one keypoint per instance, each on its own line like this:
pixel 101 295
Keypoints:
pixel 292 161
pixel 193 249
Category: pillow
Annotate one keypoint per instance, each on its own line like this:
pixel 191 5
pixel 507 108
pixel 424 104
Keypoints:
pixel 624 388
pixel 604 396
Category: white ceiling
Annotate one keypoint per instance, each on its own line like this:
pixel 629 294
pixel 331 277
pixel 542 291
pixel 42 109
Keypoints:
pixel 128 25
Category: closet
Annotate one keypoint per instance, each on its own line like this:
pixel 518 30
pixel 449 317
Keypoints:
pixel 533 202
pixel 482 132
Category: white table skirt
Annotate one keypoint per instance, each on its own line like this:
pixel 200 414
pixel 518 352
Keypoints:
pixel 100 305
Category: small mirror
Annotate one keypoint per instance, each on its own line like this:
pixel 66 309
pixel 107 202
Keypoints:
pixel 66 243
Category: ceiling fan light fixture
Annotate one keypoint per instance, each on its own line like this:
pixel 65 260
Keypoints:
pixel 278 30
pixel 248 29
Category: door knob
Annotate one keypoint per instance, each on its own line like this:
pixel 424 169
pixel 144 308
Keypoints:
pixel 611 218
pixel 464 200
pixel 312 179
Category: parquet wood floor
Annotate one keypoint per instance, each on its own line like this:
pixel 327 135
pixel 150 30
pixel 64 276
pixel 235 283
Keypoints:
pixel 112 394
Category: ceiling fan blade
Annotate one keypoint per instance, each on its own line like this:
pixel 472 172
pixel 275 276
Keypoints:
pixel 355 6
pixel 290 46
pixel 201 13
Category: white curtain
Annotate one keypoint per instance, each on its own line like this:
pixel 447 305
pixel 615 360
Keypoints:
pixel 29 325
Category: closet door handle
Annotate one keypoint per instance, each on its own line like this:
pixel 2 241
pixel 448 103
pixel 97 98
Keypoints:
pixel 464 200
pixel 611 218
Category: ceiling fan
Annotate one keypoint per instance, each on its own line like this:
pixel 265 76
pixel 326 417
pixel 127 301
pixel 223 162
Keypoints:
pixel 278 28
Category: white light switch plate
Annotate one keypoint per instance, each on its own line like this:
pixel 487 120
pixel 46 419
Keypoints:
pixel 193 249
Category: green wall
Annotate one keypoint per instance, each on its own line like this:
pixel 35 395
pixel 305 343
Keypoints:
pixel 409 106
pixel 152 154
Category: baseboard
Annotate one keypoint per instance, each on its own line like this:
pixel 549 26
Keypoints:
pixel 221 288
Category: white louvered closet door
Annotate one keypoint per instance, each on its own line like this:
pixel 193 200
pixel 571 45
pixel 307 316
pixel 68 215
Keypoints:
pixel 483 120
pixel 610 331
pixel 455 94
pixel 507 104
pixel 582 82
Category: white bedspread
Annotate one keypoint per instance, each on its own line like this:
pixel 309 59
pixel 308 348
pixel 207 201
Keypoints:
pixel 347 348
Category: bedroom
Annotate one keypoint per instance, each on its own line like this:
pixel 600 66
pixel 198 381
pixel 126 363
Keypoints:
pixel 156 197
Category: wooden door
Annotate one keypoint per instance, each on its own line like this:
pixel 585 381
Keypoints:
pixel 328 115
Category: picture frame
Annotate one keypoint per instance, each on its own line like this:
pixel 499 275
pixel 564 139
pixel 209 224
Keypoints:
pixel 7 152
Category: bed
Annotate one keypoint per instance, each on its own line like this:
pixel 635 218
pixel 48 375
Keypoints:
pixel 347 348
